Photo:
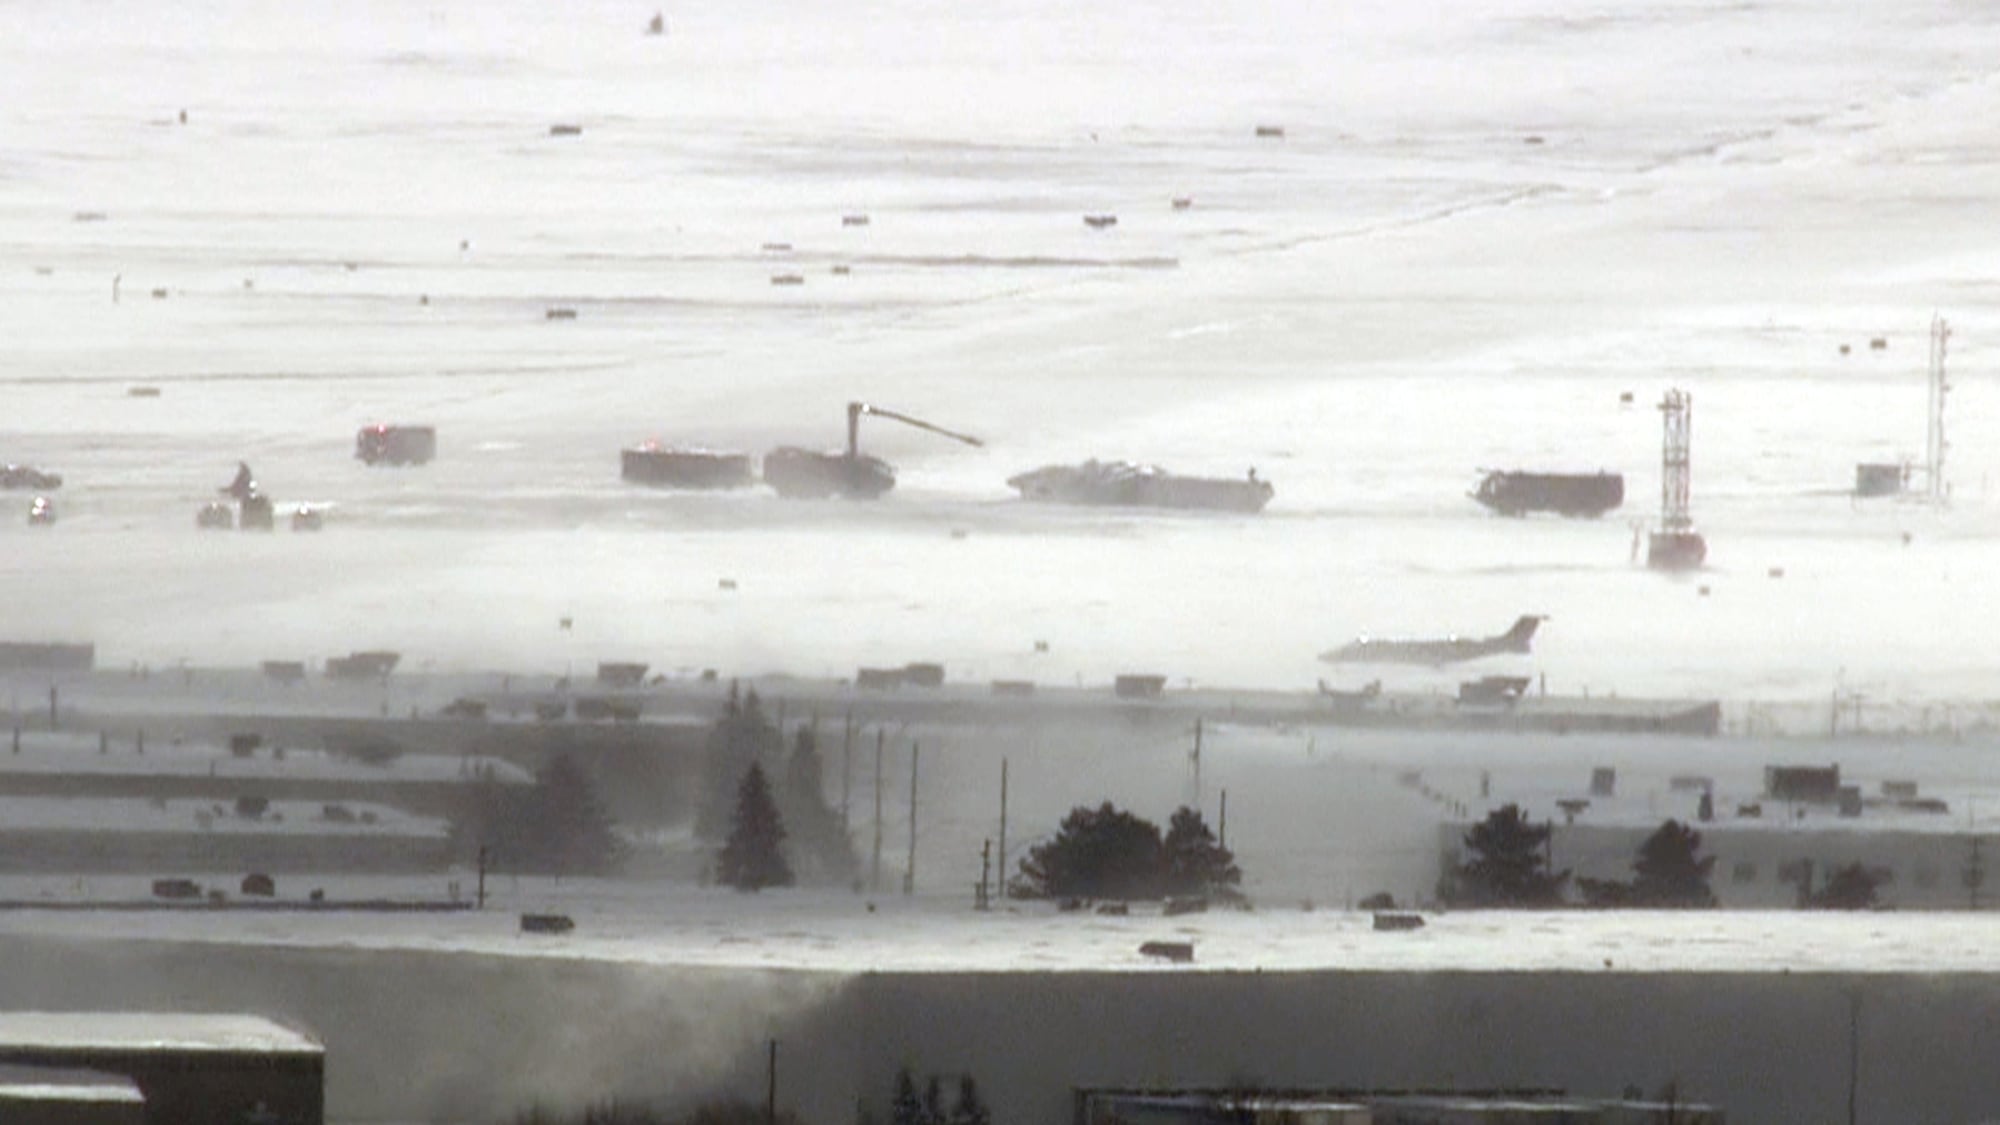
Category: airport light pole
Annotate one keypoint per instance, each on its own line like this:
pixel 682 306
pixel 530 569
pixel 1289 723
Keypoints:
pixel 1853 1052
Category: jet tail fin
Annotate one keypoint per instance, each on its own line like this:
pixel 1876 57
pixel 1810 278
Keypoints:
pixel 1522 634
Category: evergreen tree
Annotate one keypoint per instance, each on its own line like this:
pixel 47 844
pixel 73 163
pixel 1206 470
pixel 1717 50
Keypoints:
pixel 742 737
pixel 1668 875
pixel 804 770
pixel 1668 871
pixel 904 1108
pixel 1507 865
pixel 487 811
pixel 575 828
pixel 1847 888
pixel 730 1112
pixel 969 1109
pixel 556 827
pixel 933 1113
pixel 819 845
pixel 754 858
pixel 1195 863
pixel 1097 853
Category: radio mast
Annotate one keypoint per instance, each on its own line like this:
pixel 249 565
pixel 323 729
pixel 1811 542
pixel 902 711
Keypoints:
pixel 1937 489
pixel 1676 545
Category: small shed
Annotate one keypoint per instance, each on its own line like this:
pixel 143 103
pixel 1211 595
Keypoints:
pixel 923 675
pixel 1812 785
pixel 36 1095
pixel 878 679
pixel 621 673
pixel 1134 686
pixel 191 1068
pixel 1880 479
pixel 368 665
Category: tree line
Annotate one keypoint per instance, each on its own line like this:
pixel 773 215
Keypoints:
pixel 1507 863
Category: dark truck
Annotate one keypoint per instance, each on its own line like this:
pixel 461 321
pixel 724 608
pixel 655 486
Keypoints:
pixel 382 444
pixel 1513 493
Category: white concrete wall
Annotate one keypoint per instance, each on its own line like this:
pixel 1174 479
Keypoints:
pixel 439 1037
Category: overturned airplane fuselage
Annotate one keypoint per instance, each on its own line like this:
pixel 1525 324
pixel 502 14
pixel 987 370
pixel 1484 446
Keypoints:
pixel 1124 484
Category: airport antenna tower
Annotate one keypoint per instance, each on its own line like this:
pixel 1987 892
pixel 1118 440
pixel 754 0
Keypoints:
pixel 1676 545
pixel 1937 490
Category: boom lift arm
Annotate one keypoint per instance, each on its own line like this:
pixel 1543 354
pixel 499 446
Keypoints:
pixel 856 409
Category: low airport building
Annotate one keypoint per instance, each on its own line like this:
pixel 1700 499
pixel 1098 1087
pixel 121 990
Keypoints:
pixel 186 1068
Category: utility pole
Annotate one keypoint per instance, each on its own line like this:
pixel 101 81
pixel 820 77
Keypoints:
pixel 1853 1051
pixel 482 876
pixel 1194 759
pixel 846 768
pixel 1003 828
pixel 981 901
pixel 1222 828
pixel 1975 873
pixel 875 866
pixel 771 1087
pixel 910 872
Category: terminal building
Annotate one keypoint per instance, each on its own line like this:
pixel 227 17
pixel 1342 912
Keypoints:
pixel 1773 844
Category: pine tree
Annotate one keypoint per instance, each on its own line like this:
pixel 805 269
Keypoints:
pixel 754 858
pixel 1847 888
pixel 1196 864
pixel 969 1109
pixel 1668 872
pixel 742 737
pixel 1097 853
pixel 933 1112
pixel 557 826
pixel 822 849
pixel 1508 866
pixel 572 827
pixel 803 770
pixel 904 1108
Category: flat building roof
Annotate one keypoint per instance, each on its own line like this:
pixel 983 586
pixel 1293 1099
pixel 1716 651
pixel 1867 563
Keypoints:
pixel 153 1031
pixel 64 1084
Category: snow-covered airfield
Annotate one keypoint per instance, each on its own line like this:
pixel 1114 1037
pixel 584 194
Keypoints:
pixel 1403 289
pixel 1482 225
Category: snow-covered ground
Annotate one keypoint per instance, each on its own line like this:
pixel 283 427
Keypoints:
pixel 78 753
pixel 844 933
pixel 112 814
pixel 1481 226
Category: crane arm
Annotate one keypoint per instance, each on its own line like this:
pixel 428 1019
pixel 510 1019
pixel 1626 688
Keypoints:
pixel 856 409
